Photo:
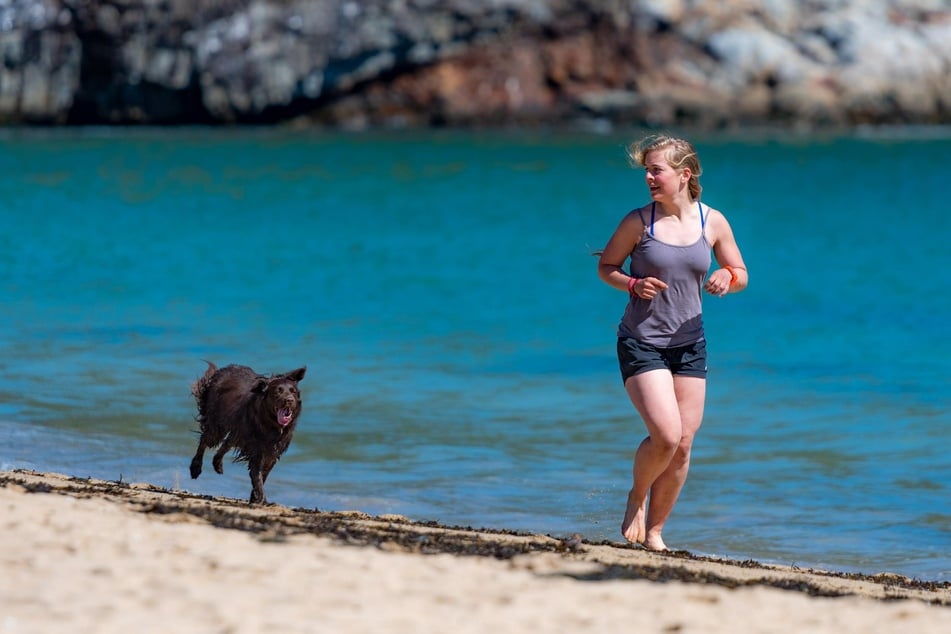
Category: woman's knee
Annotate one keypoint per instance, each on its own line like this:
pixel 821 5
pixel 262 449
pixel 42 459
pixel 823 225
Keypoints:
pixel 666 442
pixel 681 453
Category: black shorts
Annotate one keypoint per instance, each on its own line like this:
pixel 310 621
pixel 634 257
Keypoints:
pixel 636 357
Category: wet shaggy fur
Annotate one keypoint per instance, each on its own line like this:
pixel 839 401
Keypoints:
pixel 253 415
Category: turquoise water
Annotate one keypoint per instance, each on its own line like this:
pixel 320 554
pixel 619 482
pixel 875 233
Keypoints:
pixel 460 347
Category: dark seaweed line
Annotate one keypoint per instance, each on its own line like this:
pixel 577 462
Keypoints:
pixel 279 522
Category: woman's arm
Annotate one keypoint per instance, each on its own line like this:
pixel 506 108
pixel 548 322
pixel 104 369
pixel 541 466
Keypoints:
pixel 617 250
pixel 619 247
pixel 732 276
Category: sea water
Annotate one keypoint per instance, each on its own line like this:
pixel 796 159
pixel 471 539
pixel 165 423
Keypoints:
pixel 440 289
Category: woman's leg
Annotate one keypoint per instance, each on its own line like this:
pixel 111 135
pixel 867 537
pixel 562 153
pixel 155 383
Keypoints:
pixel 654 396
pixel 691 393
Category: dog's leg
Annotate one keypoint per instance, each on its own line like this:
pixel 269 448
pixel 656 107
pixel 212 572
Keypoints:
pixel 225 447
pixel 195 467
pixel 257 481
pixel 266 465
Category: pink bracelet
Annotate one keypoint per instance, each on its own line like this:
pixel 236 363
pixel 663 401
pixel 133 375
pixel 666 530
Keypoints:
pixel 631 283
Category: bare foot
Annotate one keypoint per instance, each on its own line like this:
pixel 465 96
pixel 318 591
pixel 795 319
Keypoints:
pixel 634 526
pixel 653 541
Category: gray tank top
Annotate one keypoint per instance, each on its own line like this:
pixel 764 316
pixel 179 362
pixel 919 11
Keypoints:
pixel 674 317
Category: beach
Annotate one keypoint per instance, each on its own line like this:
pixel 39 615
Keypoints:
pixel 91 555
pixel 457 392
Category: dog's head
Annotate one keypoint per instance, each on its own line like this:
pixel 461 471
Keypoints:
pixel 281 397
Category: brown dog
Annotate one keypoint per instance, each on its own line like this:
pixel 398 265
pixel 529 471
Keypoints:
pixel 251 414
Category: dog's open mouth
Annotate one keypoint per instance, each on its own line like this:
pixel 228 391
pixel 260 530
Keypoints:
pixel 284 416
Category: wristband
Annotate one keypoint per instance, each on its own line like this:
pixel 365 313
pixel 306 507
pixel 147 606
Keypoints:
pixel 732 274
pixel 631 283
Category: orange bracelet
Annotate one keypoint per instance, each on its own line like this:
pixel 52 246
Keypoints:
pixel 732 275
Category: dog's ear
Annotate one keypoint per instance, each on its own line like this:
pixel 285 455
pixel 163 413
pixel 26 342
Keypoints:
pixel 296 375
pixel 260 386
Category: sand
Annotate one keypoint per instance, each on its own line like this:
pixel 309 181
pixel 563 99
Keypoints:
pixel 81 555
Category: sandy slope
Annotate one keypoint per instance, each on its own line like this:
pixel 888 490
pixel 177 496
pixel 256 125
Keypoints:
pixel 93 556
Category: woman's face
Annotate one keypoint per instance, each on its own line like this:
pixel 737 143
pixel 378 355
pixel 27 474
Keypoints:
pixel 663 181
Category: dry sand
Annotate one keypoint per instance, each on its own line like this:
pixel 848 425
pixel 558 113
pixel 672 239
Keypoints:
pixel 80 555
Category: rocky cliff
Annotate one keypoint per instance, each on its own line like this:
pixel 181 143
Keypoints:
pixel 461 62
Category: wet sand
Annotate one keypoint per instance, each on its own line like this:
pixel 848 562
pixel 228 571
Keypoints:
pixel 97 556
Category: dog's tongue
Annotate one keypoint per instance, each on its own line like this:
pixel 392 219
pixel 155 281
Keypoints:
pixel 283 417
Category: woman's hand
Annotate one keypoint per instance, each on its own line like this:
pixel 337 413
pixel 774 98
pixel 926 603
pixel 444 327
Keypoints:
pixel 648 287
pixel 720 281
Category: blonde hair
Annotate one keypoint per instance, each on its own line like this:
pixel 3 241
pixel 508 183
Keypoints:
pixel 680 153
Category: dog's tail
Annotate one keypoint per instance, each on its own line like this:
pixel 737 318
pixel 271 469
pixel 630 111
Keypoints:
pixel 201 383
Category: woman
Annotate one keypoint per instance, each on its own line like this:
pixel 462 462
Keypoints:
pixel 661 345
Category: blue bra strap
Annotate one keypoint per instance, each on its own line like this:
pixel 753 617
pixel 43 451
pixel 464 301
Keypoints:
pixel 703 220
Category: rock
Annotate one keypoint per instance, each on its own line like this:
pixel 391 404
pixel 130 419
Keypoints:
pixel 447 62
pixel 41 62
pixel 755 55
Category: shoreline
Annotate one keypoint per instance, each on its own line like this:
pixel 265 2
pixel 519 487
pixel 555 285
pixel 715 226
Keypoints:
pixel 106 554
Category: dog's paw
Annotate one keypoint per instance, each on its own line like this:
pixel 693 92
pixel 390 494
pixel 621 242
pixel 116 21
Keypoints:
pixel 257 498
pixel 195 469
pixel 216 463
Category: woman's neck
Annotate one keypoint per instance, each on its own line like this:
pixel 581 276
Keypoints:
pixel 678 206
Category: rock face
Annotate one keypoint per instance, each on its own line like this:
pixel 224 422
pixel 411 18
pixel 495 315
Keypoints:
pixel 472 62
